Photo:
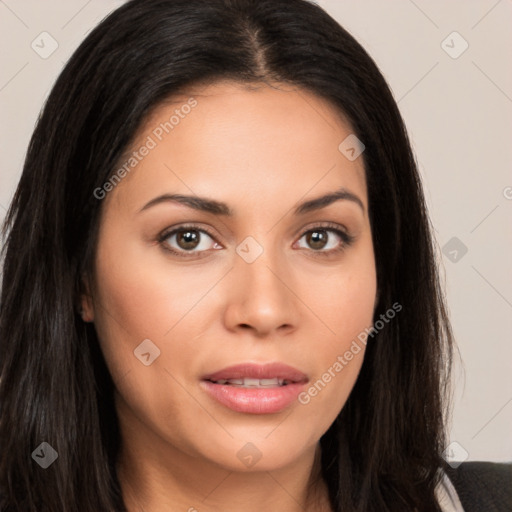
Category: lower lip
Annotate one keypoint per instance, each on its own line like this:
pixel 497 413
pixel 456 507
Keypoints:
pixel 254 400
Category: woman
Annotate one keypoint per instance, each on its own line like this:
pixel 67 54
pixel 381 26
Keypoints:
pixel 219 288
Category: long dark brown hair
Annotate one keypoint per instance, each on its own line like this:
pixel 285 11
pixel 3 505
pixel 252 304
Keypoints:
pixel 383 451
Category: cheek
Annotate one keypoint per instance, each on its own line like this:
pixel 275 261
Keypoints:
pixel 343 297
pixel 345 304
pixel 132 303
pixel 139 309
pixel 140 293
pixel 139 297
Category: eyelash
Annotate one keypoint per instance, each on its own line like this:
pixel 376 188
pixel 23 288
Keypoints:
pixel 346 239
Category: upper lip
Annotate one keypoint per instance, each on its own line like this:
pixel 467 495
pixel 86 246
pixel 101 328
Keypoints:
pixel 258 371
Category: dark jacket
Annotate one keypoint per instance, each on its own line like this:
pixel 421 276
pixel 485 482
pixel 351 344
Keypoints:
pixel 483 486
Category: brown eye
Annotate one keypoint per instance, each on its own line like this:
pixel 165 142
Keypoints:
pixel 317 239
pixel 188 239
pixel 325 240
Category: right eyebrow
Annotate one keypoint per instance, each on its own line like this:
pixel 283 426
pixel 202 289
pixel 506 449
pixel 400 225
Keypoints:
pixel 195 202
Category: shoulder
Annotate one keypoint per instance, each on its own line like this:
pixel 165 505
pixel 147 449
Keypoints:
pixel 483 485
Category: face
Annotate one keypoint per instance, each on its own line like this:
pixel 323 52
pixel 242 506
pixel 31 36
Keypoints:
pixel 248 270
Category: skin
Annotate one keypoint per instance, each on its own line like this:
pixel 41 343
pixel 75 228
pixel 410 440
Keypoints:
pixel 261 150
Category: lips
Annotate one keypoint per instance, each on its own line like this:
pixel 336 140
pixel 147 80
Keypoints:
pixel 255 388
pixel 252 375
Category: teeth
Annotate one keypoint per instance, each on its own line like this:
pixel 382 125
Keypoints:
pixel 253 383
pixel 270 382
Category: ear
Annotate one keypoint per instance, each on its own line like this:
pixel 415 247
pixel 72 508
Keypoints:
pixel 86 307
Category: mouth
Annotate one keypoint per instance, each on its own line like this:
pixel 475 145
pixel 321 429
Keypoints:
pixel 255 388
pixel 249 382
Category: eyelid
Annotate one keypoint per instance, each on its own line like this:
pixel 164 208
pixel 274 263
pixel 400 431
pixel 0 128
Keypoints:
pixel 166 233
pixel 328 226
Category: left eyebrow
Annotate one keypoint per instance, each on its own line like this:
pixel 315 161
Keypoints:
pixel 326 200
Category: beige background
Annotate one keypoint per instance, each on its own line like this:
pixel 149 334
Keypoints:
pixel 459 115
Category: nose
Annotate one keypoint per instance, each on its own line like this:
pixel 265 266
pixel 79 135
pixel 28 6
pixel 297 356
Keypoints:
pixel 261 297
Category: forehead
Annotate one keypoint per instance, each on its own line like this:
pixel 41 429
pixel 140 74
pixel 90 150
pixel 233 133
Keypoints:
pixel 242 141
